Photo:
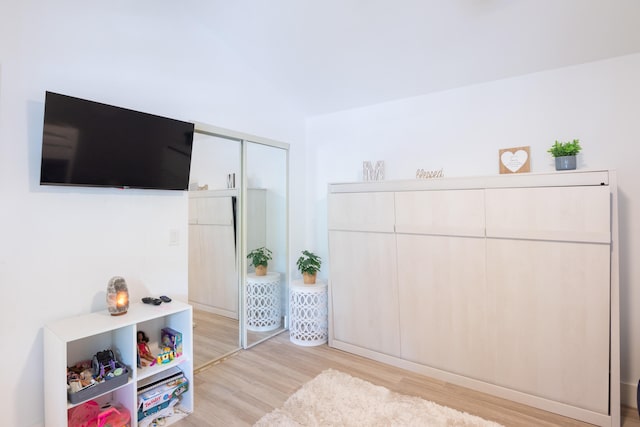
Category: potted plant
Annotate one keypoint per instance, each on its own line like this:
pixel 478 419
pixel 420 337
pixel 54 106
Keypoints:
pixel 309 265
pixel 565 154
pixel 259 259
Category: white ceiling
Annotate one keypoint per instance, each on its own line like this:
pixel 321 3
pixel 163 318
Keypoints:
pixel 332 55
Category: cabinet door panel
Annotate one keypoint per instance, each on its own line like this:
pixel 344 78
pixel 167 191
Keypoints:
pixel 193 210
pixel 551 319
pixel 212 276
pixel 447 212
pixel 579 214
pixel 214 210
pixel 197 258
pixel 443 303
pixel 364 290
pixel 361 211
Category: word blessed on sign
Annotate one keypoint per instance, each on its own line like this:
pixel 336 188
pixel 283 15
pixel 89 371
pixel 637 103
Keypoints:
pixel 423 174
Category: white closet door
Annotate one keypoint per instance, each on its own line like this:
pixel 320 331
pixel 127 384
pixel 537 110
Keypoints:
pixel 551 319
pixel 364 290
pixel 443 303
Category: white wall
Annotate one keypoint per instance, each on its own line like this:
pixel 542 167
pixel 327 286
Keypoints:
pixel 60 246
pixel 462 130
pixel 213 159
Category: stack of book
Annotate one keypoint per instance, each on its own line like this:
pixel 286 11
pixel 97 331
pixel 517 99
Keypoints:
pixel 159 394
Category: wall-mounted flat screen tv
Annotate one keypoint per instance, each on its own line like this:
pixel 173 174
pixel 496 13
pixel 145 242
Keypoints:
pixel 87 143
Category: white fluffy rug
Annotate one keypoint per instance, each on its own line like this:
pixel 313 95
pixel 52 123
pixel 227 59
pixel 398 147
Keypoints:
pixel 334 398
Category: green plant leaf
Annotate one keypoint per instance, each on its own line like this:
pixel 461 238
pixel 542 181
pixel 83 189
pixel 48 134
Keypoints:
pixel 561 149
pixel 309 263
pixel 260 256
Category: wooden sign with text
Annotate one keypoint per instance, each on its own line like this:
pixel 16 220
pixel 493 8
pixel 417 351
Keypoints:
pixel 514 160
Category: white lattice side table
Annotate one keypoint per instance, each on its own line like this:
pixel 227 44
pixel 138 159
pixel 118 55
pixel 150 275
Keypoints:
pixel 308 310
pixel 263 302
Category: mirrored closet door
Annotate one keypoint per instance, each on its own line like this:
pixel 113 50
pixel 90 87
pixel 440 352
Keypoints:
pixel 238 202
pixel 214 248
pixel 266 296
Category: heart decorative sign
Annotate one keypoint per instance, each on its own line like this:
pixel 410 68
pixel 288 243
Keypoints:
pixel 514 160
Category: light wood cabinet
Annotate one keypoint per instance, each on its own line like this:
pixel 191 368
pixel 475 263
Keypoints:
pixel 551 322
pixel 213 263
pixel 366 310
pixel 213 280
pixel 443 303
pixel 362 233
pixel 446 212
pixel 362 212
pixel 548 266
pixel 213 276
pixel 508 285
pixel 575 214
pixel 441 279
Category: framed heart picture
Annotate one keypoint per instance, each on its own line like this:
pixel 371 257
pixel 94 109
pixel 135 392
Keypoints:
pixel 514 160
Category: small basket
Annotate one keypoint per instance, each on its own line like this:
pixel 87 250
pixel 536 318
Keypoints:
pixel 99 388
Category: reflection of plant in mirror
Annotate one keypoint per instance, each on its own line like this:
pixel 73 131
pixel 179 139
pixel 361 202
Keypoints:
pixel 260 257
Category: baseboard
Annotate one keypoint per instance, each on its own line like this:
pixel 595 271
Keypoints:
pixel 628 395
pixel 591 417
pixel 214 310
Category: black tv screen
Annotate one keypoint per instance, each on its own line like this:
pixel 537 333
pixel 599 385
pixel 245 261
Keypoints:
pixel 87 143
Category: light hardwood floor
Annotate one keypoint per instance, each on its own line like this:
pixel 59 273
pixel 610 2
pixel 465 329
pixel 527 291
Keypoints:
pixel 216 336
pixel 213 337
pixel 240 389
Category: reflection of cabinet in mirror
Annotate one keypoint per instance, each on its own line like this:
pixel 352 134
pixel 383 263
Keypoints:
pixel 213 278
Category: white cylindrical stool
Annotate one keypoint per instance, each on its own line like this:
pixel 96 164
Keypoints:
pixel 308 309
pixel 263 302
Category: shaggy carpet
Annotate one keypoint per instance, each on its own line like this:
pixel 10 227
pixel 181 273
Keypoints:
pixel 334 398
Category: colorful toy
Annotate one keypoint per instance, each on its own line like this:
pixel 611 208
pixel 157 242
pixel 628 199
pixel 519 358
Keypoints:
pixel 166 356
pixel 172 339
pixel 103 363
pixel 91 413
pixel 143 349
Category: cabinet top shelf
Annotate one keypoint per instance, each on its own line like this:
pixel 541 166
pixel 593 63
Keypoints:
pixel 548 179
pixel 78 327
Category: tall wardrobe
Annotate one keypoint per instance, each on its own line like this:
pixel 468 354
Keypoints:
pixel 504 284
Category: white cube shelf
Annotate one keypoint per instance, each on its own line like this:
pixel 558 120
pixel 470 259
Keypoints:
pixel 71 340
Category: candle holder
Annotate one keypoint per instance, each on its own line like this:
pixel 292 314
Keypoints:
pixel 117 296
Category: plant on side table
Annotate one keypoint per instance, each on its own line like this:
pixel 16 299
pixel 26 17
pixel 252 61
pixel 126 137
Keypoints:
pixel 309 265
pixel 565 154
pixel 260 259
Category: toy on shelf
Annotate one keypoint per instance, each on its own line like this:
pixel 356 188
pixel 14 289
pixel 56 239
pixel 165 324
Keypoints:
pixel 166 355
pixel 172 339
pixel 91 378
pixel 91 413
pixel 80 376
pixel 144 353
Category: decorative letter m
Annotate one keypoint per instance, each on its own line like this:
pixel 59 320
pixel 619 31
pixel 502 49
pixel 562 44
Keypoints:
pixel 371 174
